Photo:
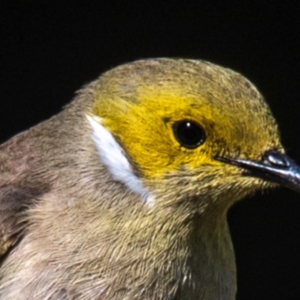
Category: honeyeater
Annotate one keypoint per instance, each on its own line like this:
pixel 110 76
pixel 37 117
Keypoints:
pixel 124 194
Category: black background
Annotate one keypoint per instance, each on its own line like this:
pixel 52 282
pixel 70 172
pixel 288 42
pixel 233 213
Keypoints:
pixel 49 50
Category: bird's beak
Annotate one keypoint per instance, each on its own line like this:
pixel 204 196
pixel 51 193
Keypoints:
pixel 274 166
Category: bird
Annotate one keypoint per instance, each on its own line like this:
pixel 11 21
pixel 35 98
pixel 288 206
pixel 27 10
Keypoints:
pixel 124 193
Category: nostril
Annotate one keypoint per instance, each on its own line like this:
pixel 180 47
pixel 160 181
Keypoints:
pixel 276 159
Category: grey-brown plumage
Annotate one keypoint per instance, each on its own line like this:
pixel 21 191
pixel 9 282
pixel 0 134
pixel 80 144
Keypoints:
pixel 70 230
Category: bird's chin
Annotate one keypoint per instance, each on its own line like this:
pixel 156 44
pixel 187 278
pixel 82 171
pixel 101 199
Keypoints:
pixel 247 186
pixel 196 194
pixel 225 195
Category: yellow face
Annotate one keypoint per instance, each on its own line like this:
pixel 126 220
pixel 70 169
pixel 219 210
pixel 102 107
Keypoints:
pixel 176 116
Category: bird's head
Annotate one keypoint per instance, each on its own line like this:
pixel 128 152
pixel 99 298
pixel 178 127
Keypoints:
pixel 178 131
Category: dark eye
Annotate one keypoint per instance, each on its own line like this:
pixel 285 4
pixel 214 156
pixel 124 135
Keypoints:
pixel 188 133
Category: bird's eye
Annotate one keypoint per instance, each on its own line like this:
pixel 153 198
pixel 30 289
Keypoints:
pixel 188 133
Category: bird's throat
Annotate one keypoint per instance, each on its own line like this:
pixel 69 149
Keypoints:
pixel 211 263
pixel 193 259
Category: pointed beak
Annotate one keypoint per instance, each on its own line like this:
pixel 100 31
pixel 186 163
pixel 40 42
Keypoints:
pixel 274 167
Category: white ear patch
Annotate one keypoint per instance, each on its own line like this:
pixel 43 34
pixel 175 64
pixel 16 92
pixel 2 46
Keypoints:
pixel 112 155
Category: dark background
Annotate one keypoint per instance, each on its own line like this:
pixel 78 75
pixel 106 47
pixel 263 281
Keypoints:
pixel 47 52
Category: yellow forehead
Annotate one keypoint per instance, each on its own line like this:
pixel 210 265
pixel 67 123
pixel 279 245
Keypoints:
pixel 140 112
